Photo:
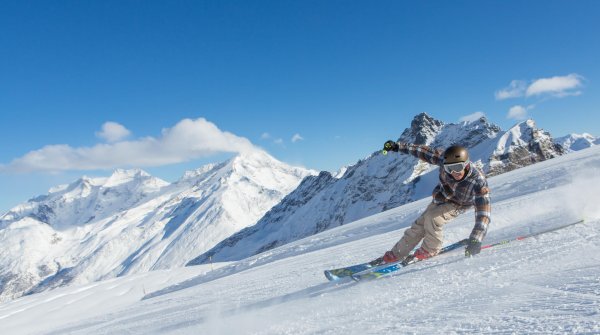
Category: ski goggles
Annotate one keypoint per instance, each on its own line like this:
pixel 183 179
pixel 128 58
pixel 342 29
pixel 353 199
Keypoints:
pixel 455 167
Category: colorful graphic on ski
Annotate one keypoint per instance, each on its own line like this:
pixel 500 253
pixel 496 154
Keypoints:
pixel 382 270
pixel 336 274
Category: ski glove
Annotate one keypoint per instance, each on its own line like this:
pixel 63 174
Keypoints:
pixel 473 247
pixel 391 146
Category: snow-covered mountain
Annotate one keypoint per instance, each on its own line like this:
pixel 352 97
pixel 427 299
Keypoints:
pixel 131 222
pixel 380 182
pixel 88 199
pixel 548 284
pixel 576 142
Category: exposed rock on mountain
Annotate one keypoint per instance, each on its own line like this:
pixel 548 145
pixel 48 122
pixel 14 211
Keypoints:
pixel 379 182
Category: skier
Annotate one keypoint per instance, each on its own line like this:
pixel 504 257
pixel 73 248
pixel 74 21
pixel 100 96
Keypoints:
pixel 461 186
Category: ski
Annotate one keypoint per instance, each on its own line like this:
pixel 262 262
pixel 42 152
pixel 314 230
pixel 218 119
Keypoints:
pixel 382 270
pixel 336 274
pixel 519 238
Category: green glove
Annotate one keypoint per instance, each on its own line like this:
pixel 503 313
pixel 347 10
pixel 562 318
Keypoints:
pixel 390 146
pixel 473 248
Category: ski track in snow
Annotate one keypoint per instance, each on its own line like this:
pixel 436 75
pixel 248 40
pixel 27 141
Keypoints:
pixel 548 284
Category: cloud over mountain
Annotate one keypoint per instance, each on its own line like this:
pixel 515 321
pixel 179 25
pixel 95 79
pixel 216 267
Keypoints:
pixel 188 139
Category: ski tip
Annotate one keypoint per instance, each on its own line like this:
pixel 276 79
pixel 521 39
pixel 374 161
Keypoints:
pixel 330 276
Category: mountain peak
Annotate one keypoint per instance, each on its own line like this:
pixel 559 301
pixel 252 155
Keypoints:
pixel 264 169
pixel 482 119
pixel 192 174
pixel 522 145
pixel 426 130
pixel 121 176
pixel 576 142
pixel 254 156
pixel 423 129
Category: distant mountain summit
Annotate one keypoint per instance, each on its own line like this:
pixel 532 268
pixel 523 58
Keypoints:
pixel 522 145
pixel 379 182
pixel 87 199
pixel 576 142
pixel 130 222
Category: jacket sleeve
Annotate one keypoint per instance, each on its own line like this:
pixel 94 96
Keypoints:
pixel 483 210
pixel 422 152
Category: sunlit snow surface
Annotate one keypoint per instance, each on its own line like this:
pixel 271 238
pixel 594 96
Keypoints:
pixel 545 284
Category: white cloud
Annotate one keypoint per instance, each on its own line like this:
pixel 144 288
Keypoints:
pixel 187 140
pixel 556 86
pixel 278 141
pixel 518 112
pixel 113 132
pixel 265 136
pixel 472 117
pixel 515 89
pixel 297 138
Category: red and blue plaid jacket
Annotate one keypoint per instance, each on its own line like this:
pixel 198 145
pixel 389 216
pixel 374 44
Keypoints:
pixel 472 190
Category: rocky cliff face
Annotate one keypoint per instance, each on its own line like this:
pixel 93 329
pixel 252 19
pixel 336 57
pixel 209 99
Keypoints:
pixel 522 145
pixel 379 182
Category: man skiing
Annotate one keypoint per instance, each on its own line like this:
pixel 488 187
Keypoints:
pixel 461 186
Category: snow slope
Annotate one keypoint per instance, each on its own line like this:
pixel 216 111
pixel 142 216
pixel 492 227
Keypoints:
pixel 547 284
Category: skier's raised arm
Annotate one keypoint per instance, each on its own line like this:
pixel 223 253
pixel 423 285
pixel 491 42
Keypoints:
pixel 422 152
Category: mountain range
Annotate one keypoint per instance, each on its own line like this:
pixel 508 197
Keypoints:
pixel 380 182
pixel 131 222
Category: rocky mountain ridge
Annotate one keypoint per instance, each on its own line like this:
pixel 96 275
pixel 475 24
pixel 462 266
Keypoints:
pixel 379 182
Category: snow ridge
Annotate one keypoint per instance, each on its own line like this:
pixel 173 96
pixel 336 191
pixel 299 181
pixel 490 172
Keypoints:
pixel 576 142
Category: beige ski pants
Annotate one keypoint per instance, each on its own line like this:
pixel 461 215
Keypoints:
pixel 428 227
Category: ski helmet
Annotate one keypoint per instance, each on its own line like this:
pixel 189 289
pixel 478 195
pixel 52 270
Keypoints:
pixel 456 154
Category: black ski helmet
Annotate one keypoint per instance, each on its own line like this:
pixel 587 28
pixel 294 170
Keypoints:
pixel 456 154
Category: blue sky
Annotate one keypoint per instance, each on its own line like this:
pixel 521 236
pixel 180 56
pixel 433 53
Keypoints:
pixel 315 83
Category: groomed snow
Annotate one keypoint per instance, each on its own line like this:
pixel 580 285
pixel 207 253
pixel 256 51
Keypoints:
pixel 546 284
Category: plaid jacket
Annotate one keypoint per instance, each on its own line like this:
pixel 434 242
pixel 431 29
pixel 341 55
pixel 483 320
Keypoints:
pixel 472 190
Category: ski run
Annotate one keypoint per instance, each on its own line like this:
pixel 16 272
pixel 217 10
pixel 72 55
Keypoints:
pixel 546 284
